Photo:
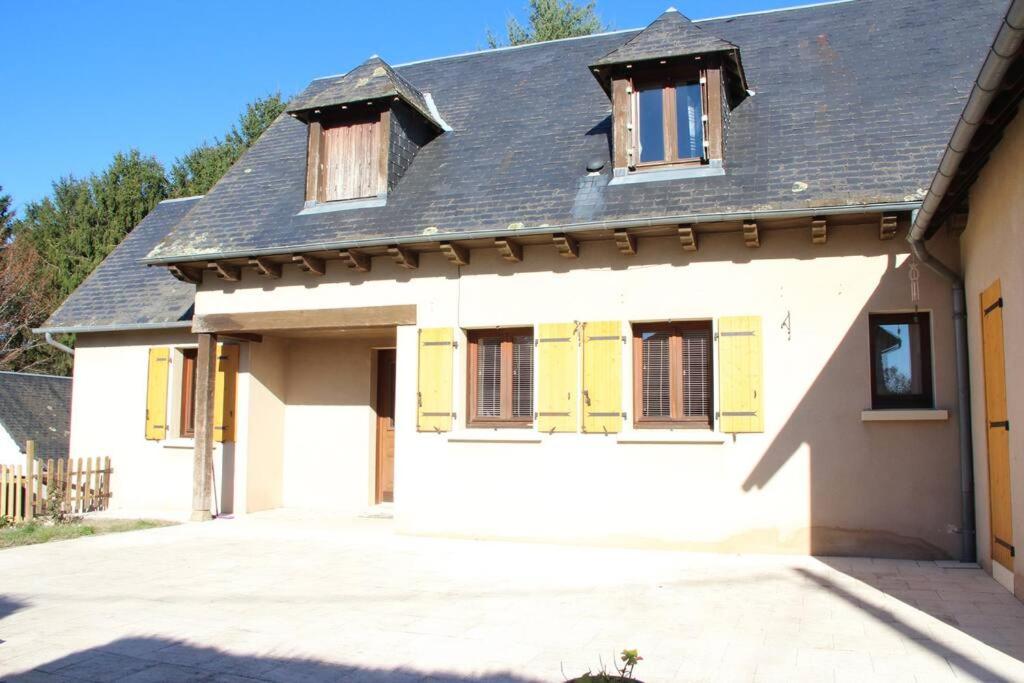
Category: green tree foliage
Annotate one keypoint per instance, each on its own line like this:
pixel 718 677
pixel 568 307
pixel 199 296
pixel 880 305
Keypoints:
pixel 550 20
pixel 60 239
pixel 196 172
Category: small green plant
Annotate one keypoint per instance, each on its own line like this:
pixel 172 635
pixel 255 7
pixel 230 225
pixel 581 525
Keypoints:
pixel 629 659
pixel 55 510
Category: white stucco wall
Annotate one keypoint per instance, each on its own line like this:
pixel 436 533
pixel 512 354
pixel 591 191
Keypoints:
pixel 993 248
pixel 10 453
pixel 818 480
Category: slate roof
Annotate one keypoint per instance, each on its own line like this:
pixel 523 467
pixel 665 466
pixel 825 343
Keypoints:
pixel 670 35
pixel 37 407
pixel 371 80
pixel 124 293
pixel 853 100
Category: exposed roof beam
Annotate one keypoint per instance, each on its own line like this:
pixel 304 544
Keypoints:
pixel 457 254
pixel 310 264
pixel 225 271
pixel 193 276
pixel 751 236
pixel 567 246
pixel 887 227
pixel 626 242
pixel 687 237
pixel 266 267
pixel 510 250
pixel 356 260
pixel 819 231
pixel 404 257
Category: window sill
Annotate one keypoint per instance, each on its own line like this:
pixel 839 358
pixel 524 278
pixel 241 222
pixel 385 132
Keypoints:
pixel 899 415
pixel 696 436
pixel 182 442
pixel 342 205
pixel 628 178
pixel 488 435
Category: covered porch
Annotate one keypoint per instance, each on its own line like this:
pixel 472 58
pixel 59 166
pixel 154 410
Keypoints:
pixel 314 411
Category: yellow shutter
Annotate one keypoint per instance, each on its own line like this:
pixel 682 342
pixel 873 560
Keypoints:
pixel 602 377
pixel 557 359
pixel 156 393
pixel 224 393
pixel 740 374
pixel 434 391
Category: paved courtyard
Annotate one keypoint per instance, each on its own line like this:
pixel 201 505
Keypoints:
pixel 283 598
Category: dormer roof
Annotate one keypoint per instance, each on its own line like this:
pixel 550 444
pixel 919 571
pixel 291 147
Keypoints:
pixel 672 35
pixel 374 79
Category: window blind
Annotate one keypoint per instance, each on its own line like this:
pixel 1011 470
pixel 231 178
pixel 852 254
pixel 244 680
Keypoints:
pixel 696 372
pixel 522 376
pixel 657 399
pixel 488 377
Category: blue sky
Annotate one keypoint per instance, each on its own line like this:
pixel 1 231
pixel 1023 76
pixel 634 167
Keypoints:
pixel 82 80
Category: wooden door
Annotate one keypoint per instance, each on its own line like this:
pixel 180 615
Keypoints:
pixel 385 425
pixel 997 426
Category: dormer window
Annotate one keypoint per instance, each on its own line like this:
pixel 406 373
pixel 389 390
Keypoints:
pixel 668 116
pixel 350 154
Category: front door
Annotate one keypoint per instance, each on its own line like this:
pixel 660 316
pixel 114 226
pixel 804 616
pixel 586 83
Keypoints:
pixel 385 425
pixel 997 425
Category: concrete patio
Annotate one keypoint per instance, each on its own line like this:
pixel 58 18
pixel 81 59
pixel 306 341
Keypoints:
pixel 282 597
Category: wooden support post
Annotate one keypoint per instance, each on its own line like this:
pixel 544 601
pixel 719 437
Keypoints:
pixel 510 250
pixel 819 231
pixel 193 276
pixel 310 264
pixel 751 237
pixel 626 242
pixel 356 260
pixel 687 237
pixel 404 257
pixel 18 477
pixel 887 229
pixel 567 245
pixel 226 272
pixel 202 461
pixel 457 254
pixel 30 458
pixel 266 267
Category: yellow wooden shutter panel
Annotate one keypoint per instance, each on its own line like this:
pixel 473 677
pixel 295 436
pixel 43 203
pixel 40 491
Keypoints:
pixel 740 374
pixel 156 393
pixel 224 393
pixel 434 390
pixel 557 372
pixel 602 377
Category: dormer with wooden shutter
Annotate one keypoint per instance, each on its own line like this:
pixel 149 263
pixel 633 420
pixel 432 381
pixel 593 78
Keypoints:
pixel 364 129
pixel 672 86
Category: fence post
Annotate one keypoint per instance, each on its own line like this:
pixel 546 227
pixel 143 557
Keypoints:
pixel 18 477
pixel 106 482
pixel 30 457
pixel 78 492
pixel 3 491
pixel 50 472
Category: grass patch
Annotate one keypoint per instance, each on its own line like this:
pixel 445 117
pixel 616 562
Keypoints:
pixel 30 533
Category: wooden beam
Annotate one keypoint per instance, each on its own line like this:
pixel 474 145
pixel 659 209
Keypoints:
pixel 567 246
pixel 225 271
pixel 688 237
pixel 621 124
pixel 310 264
pixel 202 457
pixel 242 336
pixel 356 260
pixel 456 253
pixel 819 231
pixel 266 267
pixel 887 229
pixel 751 237
pixel 189 274
pixel 626 242
pixel 510 250
pixel 313 145
pixel 262 322
pixel 404 257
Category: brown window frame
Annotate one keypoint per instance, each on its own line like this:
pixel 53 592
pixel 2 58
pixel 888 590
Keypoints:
pixel 922 401
pixel 187 421
pixel 316 151
pixel 506 419
pixel 677 387
pixel 669 122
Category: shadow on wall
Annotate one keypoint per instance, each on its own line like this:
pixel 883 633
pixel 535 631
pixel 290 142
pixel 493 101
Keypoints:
pixel 892 489
pixel 159 659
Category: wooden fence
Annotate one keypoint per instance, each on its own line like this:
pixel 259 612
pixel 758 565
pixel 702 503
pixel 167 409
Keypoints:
pixel 39 487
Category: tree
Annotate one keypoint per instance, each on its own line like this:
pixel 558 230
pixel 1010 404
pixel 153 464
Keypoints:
pixel 196 172
pixel 25 302
pixel 551 20
pixel 6 217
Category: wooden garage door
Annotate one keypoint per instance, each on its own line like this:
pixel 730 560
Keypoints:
pixel 997 425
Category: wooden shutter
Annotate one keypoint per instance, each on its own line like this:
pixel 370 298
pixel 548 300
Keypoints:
pixel 156 393
pixel 602 377
pixel 434 391
pixel 740 374
pixel 997 425
pixel 557 372
pixel 224 393
pixel 351 164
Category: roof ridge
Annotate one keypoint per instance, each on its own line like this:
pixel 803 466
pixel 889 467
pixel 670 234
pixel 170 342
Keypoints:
pixel 33 374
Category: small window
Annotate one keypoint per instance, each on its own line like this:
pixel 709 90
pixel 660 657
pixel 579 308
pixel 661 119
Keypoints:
pixel 350 161
pixel 672 374
pixel 669 119
pixel 901 361
pixel 188 392
pixel 500 378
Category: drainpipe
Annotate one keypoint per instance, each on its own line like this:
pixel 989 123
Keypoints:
pixel 57 345
pixel 1003 52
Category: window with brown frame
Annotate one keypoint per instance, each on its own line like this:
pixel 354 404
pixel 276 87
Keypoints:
pixel 500 378
pixel 668 117
pixel 901 360
pixel 672 375
pixel 188 392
